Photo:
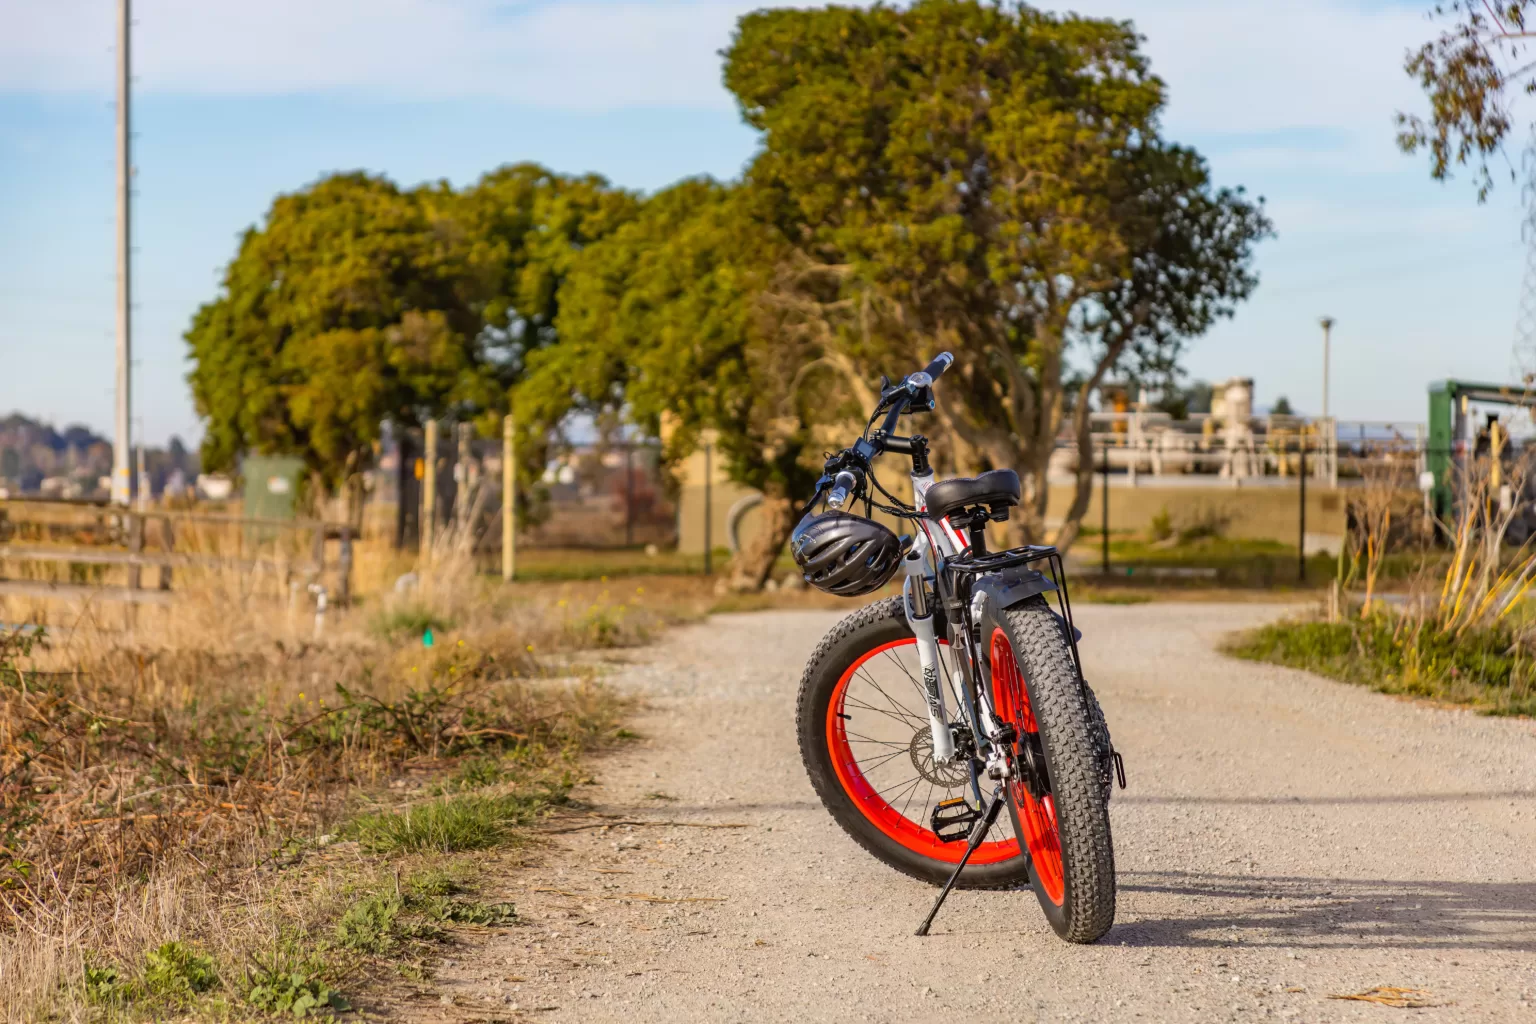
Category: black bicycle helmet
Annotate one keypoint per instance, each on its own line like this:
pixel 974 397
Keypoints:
pixel 845 554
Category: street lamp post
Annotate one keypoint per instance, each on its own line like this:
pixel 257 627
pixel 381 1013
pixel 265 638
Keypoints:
pixel 1330 452
pixel 1327 323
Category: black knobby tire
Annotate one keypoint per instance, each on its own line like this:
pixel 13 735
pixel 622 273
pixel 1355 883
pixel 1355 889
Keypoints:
pixel 1075 748
pixel 867 629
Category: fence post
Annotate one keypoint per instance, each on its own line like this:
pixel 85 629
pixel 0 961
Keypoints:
pixel 1301 541
pixel 629 494
pixel 461 482
pixel 1104 531
pixel 344 584
pixel 508 499
pixel 135 546
pixel 317 552
pixel 428 488
pixel 708 511
pixel 168 542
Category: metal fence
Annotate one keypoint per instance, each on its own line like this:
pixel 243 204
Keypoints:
pixel 599 495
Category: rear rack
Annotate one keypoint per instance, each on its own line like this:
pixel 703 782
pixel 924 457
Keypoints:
pixel 962 569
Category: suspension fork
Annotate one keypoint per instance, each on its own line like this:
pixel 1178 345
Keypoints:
pixel 920 619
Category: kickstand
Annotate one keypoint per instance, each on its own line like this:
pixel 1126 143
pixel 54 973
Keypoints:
pixel 977 835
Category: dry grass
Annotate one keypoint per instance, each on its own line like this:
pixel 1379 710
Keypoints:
pixel 170 780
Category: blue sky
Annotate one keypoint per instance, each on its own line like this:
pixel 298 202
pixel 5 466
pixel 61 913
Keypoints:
pixel 237 103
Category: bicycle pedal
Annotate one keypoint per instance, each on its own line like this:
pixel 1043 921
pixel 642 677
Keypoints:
pixel 955 814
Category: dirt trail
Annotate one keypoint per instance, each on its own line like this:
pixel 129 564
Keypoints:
pixel 1284 838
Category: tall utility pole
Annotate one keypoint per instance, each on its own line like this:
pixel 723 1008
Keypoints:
pixel 121 441
pixel 1327 323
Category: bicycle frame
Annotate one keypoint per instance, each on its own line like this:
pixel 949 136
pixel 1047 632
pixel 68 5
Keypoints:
pixel 936 544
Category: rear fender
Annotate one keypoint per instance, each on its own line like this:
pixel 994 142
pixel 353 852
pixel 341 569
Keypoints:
pixel 1008 587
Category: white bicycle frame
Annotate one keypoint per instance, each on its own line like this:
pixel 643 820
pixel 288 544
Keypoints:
pixel 934 544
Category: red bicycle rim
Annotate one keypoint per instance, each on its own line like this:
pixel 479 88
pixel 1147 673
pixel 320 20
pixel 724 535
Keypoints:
pixel 1037 818
pixel 914 835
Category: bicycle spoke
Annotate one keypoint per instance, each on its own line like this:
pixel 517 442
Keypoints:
pixel 904 719
pixel 916 781
pixel 880 759
pixel 901 709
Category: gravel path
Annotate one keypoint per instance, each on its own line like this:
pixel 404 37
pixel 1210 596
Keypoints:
pixel 1284 838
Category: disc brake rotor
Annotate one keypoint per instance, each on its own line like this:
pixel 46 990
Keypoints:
pixel 948 776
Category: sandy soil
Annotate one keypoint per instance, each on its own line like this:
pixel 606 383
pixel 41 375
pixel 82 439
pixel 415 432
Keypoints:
pixel 1284 839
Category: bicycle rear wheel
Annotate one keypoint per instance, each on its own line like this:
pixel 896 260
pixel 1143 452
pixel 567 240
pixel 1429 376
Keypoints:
pixel 1065 825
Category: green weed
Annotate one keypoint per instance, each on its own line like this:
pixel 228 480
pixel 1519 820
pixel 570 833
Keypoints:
pixel 448 825
pixel 291 984
pixel 104 985
pixel 368 926
pixel 176 972
pixel 408 620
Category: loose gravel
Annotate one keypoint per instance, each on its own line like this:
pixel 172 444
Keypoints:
pixel 1284 839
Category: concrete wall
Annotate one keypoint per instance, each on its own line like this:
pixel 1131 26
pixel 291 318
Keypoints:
pixel 1256 511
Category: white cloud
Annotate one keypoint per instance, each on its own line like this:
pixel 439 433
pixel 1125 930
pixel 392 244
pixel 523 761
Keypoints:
pixel 1231 67
pixel 582 55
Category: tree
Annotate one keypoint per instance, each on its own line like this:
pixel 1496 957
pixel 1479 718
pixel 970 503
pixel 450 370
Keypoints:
pixel 1472 73
pixel 353 303
pixel 664 319
pixel 534 224
pixel 991 180
pixel 358 302
pixel 1282 407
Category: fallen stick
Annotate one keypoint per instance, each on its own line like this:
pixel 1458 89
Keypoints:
pixel 192 813
pixel 656 824
pixel 642 897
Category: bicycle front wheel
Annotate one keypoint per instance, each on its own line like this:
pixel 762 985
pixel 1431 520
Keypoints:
pixel 866 744
pixel 1065 824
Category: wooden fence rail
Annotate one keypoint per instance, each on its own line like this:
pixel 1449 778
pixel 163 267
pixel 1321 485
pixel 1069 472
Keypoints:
pixel 133 556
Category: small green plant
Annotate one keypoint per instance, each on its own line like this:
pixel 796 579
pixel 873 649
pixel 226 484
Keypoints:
pixel 409 620
pixel 291 985
pixel 369 925
pixel 478 772
pixel 1161 527
pixel 1202 522
pixel 176 972
pixel 433 882
pixel 464 911
pixel 448 825
pixel 104 985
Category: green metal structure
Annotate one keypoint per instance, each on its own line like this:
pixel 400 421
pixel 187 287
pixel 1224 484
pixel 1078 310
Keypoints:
pixel 1453 432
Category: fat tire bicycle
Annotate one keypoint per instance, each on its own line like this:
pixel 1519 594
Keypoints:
pixel 922 716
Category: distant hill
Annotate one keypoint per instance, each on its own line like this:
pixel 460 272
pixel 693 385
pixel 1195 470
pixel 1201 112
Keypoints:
pixel 76 462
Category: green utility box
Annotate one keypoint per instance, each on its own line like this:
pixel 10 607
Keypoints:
pixel 271 492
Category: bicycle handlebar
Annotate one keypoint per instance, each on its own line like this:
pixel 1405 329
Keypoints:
pixel 842 485
pixel 852 463
pixel 940 363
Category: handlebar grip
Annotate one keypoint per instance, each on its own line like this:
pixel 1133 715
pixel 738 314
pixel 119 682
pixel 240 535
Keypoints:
pixel 838 496
pixel 940 363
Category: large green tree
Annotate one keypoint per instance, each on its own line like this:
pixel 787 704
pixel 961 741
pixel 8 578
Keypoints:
pixel 988 179
pixel 357 302
pixel 1474 72
pixel 665 321
pixel 354 302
